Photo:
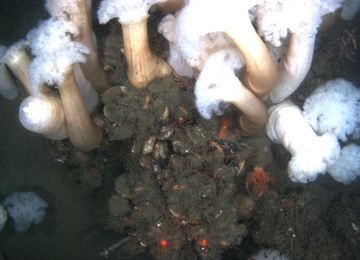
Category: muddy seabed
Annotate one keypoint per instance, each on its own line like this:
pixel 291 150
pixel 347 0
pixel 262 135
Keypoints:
pixel 164 183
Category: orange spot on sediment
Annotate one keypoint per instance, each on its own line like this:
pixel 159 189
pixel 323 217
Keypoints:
pixel 266 149
pixel 203 242
pixel 163 242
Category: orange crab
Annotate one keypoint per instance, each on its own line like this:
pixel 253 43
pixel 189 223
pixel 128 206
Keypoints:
pixel 259 179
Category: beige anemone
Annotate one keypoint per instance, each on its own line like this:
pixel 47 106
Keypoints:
pixel 142 64
pixel 79 13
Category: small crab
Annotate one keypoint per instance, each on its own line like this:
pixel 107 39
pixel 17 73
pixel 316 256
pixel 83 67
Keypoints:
pixel 352 37
pixel 348 44
pixel 185 82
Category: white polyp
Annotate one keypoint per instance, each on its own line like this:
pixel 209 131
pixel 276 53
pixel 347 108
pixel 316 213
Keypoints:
pixel 41 114
pixel 347 167
pixel 350 8
pixel 126 11
pixel 167 28
pixel 52 60
pixel 294 67
pixel 88 93
pixel 311 154
pixel 7 87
